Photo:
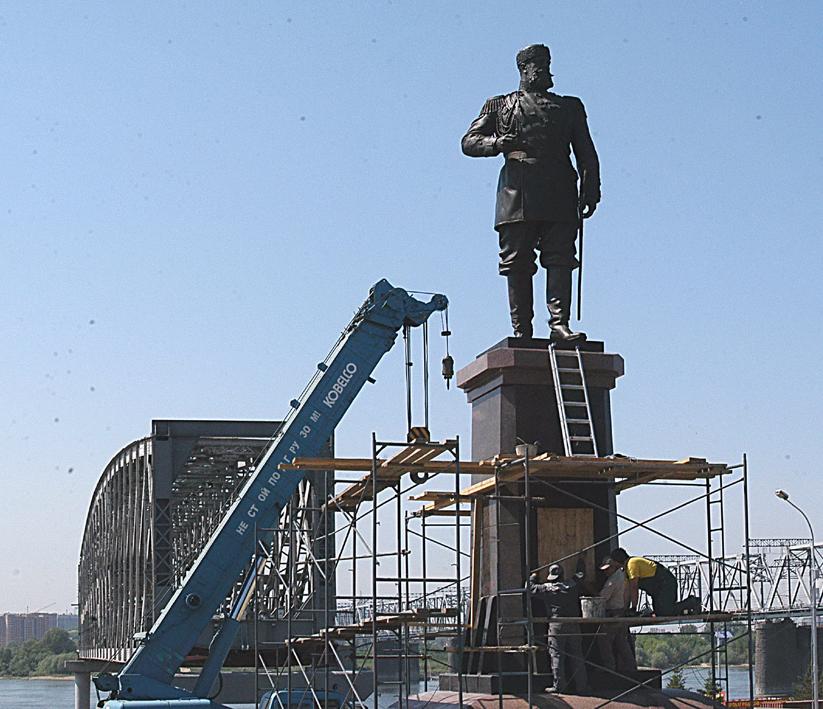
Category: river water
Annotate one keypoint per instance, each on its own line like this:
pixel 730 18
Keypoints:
pixel 59 694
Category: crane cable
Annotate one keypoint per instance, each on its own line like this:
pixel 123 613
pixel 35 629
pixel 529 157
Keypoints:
pixel 408 364
pixel 426 375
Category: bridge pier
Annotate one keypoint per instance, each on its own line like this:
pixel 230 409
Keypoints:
pixel 782 656
pixel 82 671
pixel 82 690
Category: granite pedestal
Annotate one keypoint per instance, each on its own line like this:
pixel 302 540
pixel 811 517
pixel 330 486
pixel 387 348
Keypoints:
pixel 511 391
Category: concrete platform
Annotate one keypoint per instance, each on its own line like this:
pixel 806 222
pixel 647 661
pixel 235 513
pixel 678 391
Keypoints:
pixel 602 682
pixel 666 699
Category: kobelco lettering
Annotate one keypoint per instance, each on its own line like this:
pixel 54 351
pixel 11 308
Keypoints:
pixel 341 383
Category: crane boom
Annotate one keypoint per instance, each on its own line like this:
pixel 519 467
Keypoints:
pixel 146 680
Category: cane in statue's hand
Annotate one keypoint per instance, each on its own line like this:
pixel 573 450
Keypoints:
pixel 581 215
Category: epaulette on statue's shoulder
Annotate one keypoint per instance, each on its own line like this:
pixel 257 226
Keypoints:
pixel 496 103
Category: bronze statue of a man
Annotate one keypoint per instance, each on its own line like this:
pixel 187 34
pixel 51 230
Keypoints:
pixel 537 199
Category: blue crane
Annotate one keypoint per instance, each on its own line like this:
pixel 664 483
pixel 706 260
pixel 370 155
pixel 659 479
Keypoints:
pixel 146 680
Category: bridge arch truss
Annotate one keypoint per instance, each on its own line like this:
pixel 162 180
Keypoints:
pixel 153 509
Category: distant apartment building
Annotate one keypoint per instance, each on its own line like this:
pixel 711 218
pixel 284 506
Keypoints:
pixel 68 621
pixel 15 628
pixel 19 627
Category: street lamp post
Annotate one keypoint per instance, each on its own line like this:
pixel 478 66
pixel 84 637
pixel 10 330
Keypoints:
pixel 783 495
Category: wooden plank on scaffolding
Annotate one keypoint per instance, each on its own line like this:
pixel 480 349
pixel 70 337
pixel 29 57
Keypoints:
pixel 546 465
pixel 388 475
pixel 440 500
pixel 635 480
pixel 626 472
pixel 419 616
pixel 364 465
pixel 432 496
pixel 638 621
pixel 412 458
pixel 571 467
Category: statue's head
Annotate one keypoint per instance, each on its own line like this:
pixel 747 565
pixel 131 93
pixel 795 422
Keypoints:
pixel 533 63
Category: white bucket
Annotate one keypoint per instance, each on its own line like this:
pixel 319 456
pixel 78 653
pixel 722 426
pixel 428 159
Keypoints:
pixel 525 449
pixel 593 606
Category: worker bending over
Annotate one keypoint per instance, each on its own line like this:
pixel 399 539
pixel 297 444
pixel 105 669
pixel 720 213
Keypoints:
pixel 651 576
pixel 613 638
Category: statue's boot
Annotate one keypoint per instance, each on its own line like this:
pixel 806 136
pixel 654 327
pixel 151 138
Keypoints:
pixel 521 303
pixel 559 300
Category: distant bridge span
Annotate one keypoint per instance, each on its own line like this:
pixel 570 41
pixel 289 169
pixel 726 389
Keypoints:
pixel 779 572
pixel 152 511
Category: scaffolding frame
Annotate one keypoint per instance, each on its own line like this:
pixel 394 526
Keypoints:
pixel 408 607
pixel 409 614
pixel 721 577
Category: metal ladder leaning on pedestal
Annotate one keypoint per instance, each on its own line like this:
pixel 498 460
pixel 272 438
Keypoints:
pixel 573 406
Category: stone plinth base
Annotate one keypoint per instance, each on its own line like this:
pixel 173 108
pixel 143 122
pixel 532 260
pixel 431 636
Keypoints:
pixel 511 390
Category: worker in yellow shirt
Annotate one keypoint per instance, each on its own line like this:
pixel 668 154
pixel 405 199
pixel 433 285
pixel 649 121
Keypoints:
pixel 651 576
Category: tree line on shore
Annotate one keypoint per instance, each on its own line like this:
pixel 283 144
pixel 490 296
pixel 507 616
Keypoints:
pixel 38 657
pixel 691 646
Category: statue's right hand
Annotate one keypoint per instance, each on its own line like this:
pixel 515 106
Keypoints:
pixel 505 143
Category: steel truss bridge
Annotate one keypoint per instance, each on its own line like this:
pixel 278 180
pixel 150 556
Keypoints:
pixel 154 508
pixel 778 570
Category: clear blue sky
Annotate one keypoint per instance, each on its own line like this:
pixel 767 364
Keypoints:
pixel 195 197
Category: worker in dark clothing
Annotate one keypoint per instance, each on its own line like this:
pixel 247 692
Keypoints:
pixel 537 198
pixel 652 577
pixel 562 600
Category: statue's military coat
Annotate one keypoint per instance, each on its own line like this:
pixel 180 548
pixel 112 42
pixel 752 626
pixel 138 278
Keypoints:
pixel 537 182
